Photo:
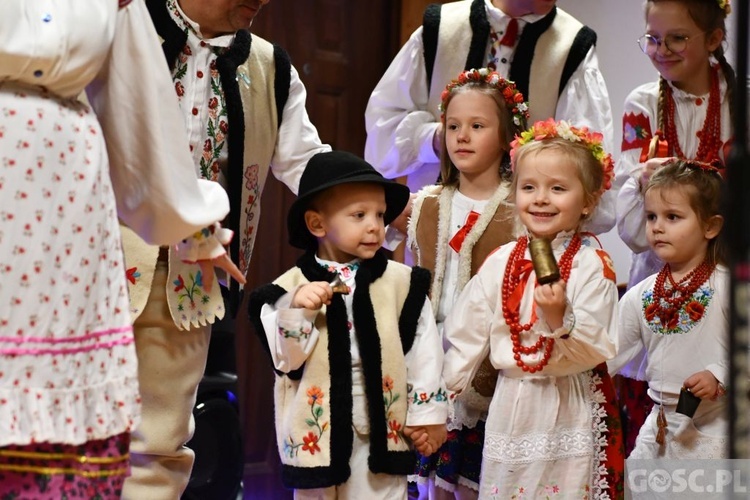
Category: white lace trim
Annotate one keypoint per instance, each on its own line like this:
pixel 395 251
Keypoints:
pixel 537 446
pixel 599 481
pixel 566 443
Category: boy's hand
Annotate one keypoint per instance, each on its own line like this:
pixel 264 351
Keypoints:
pixel 702 384
pixel 312 296
pixel 551 299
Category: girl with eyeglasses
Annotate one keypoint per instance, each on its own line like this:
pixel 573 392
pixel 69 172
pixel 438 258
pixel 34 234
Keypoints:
pixel 689 107
pixel 686 114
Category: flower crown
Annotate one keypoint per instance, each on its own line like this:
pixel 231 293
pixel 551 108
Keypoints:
pixel 550 129
pixel 513 98
pixel 724 5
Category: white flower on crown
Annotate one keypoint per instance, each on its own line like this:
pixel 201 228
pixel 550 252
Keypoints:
pixel 563 130
pixel 494 79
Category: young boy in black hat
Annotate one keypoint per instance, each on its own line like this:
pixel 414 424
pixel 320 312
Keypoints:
pixel 352 338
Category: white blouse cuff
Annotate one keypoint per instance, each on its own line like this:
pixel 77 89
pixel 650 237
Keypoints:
pixel 206 244
pixel 569 322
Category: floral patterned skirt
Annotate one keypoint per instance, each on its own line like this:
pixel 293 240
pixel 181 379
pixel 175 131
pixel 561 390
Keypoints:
pixel 47 471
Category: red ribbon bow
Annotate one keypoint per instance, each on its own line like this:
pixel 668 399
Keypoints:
pixel 458 239
pixel 523 271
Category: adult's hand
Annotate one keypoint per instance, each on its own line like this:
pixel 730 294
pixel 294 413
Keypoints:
pixel 222 262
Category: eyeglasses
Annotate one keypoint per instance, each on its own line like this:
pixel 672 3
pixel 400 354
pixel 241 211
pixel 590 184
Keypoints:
pixel 676 44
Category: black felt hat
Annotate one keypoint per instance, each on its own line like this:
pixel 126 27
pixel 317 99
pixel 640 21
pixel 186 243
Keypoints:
pixel 326 170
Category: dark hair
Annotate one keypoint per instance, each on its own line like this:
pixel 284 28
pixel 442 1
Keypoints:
pixel 702 185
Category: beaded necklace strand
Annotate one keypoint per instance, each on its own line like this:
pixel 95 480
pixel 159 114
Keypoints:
pixel 511 281
pixel 709 136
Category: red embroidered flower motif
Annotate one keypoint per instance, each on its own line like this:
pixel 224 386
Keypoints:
pixel 311 443
pixel 132 274
pixel 394 427
pixel 650 311
pixel 314 395
pixel 423 396
pixel 213 103
pixel 179 283
pixel 179 88
pixel 387 384
pixel 695 310
pixel 669 319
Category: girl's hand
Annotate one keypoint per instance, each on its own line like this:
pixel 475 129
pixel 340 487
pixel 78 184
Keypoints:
pixel 649 168
pixel 703 384
pixel 551 299
pixel 313 295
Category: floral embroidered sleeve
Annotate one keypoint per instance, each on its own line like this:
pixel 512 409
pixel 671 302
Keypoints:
pixel 428 401
pixel 637 132
pixel 206 244
pixel 290 332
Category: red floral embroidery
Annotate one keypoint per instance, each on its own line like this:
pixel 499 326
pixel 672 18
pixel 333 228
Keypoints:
pixel 311 443
pixel 395 429
pixel 695 310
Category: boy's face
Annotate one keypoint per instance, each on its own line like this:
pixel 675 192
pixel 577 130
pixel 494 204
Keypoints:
pixel 348 221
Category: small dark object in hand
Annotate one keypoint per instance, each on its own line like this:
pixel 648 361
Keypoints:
pixel 338 286
pixel 688 403
pixel 545 265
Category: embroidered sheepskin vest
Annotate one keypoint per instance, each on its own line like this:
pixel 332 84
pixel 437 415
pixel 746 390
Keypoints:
pixel 432 209
pixel 314 403
pixel 547 53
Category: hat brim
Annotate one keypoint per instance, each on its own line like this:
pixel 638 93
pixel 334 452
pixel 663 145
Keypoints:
pixel 396 198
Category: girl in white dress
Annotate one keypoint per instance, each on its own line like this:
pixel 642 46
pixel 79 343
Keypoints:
pixel 547 428
pixel 453 227
pixel 68 374
pixel 680 315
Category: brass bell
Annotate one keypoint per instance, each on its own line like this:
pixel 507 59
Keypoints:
pixel 543 260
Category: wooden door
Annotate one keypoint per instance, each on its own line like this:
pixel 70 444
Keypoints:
pixel 340 48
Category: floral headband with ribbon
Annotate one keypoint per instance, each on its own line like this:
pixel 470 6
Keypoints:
pixel 513 98
pixel 549 129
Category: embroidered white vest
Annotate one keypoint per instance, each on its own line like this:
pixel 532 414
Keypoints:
pixel 189 304
pixel 303 422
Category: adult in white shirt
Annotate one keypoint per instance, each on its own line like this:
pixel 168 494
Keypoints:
pixel 402 116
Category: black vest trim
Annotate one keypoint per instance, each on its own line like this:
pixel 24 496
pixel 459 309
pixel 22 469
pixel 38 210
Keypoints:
pixel 520 68
pixel 174 38
pixel 584 40
pixel 282 80
pixel 430 30
pixel 480 34
pixel 407 323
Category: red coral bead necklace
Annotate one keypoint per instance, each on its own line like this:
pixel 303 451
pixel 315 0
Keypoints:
pixel 709 136
pixel 670 300
pixel 511 281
